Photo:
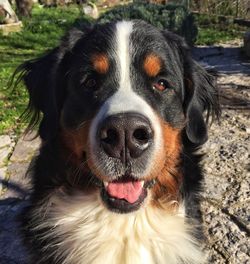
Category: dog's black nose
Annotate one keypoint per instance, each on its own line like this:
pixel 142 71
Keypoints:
pixel 125 136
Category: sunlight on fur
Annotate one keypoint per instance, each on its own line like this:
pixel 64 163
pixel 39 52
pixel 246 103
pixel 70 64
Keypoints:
pixel 89 233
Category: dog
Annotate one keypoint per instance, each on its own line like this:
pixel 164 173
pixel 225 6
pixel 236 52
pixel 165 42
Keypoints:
pixel 121 108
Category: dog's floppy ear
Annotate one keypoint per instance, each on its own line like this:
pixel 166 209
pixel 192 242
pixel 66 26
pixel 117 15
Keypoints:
pixel 200 92
pixel 40 76
pixel 200 95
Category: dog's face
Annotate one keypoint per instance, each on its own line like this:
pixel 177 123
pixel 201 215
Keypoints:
pixel 121 97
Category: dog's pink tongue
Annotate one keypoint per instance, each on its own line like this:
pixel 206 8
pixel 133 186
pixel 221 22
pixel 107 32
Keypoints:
pixel 130 191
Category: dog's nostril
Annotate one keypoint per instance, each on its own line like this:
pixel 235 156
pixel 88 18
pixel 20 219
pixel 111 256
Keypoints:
pixel 141 135
pixel 109 136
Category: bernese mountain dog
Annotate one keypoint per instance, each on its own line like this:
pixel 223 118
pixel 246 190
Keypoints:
pixel 122 108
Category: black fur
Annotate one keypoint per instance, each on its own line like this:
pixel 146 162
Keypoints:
pixel 54 83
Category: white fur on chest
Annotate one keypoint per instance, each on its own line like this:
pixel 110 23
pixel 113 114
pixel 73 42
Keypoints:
pixel 85 232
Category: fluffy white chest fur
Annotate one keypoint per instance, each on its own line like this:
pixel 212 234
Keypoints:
pixel 83 231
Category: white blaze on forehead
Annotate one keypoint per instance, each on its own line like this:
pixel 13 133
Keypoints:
pixel 124 30
pixel 125 99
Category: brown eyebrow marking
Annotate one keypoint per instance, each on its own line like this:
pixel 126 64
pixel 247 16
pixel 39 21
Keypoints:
pixel 100 63
pixel 152 65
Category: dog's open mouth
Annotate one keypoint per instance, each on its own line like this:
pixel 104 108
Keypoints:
pixel 126 194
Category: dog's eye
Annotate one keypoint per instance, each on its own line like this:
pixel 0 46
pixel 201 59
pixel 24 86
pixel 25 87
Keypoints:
pixel 161 85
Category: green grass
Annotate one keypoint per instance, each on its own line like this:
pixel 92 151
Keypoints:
pixel 214 30
pixel 211 35
pixel 39 34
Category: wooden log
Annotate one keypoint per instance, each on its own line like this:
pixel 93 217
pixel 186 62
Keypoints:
pixel 242 22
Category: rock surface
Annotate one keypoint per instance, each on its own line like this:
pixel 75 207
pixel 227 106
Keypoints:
pixel 225 205
pixel 11 249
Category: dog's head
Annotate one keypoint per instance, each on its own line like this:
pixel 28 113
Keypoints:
pixel 122 97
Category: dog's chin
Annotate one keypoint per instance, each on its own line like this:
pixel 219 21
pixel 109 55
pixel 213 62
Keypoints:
pixel 124 195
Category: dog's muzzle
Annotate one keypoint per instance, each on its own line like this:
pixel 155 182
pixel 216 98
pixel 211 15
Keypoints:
pixel 125 141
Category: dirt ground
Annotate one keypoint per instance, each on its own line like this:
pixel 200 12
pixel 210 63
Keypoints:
pixel 226 203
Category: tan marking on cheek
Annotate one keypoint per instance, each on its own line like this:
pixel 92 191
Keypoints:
pixel 100 63
pixel 152 65
pixel 166 191
pixel 76 149
pixel 75 143
pixel 73 149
